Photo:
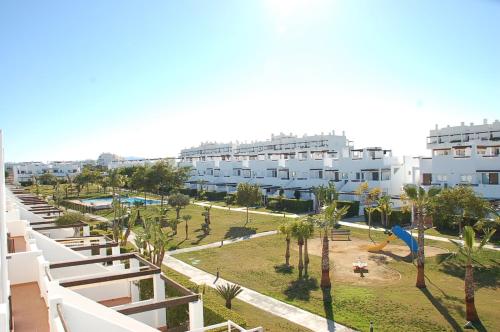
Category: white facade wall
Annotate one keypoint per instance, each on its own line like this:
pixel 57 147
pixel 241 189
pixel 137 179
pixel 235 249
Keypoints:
pixel 464 155
pixel 24 172
pixel 294 163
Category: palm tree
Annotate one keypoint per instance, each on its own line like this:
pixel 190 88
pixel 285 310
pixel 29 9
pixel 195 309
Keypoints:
pixel 186 218
pixel 332 216
pixel 228 292
pixel 421 202
pixel 300 231
pixel 285 228
pixel 468 250
pixel 307 233
pixel 385 208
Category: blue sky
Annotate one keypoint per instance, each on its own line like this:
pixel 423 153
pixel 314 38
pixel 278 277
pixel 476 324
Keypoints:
pixel 147 78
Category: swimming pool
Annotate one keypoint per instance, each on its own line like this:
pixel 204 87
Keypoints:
pixel 126 200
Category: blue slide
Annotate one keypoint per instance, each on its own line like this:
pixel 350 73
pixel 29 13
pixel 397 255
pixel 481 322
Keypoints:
pixel 406 237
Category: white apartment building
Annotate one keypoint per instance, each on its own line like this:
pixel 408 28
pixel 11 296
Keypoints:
pixel 24 172
pixel 60 278
pixel 294 164
pixel 139 162
pixel 463 155
pixel 107 158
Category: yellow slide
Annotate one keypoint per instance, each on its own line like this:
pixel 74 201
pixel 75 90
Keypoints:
pixel 381 245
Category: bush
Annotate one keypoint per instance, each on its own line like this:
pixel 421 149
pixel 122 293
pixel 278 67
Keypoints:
pixel 70 218
pixel 215 196
pixel 213 311
pixel 290 205
pixel 231 198
pixel 397 217
pixel 189 192
pixel 353 208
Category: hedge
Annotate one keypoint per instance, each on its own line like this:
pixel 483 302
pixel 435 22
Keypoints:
pixel 213 311
pixel 353 208
pixel 215 195
pixel 397 217
pixel 189 192
pixel 290 205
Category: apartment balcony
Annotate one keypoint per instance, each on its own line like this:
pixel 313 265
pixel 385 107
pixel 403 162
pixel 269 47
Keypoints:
pixel 58 286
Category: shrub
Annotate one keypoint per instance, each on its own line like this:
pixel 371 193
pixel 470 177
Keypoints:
pixel 353 208
pixel 70 218
pixel 397 217
pixel 213 311
pixel 215 196
pixel 290 205
pixel 189 192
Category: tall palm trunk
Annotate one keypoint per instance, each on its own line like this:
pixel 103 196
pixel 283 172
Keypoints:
pixel 470 307
pixel 306 259
pixel 370 225
pixel 420 254
pixel 287 253
pixel 187 229
pixel 325 263
pixel 301 262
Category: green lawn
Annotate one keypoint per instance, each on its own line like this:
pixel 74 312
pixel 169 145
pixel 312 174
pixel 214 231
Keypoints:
pixel 398 305
pixel 224 224
pixel 252 315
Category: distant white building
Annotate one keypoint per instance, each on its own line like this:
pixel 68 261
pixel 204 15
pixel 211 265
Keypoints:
pixel 293 163
pixel 24 172
pixel 463 155
pixel 105 159
pixel 139 162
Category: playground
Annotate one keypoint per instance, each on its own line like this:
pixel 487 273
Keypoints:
pixel 379 271
pixel 385 295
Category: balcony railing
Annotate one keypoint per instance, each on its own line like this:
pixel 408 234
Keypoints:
pixel 231 326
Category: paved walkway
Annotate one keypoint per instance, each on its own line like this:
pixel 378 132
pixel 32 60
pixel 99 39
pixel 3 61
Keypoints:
pixel 244 210
pixel 298 316
pixel 218 244
pixel 348 224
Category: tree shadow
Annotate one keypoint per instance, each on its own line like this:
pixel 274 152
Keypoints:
pixel 236 231
pixel 284 269
pixel 200 236
pixel 442 309
pixel 328 308
pixel 301 289
pixel 484 276
pixel 397 258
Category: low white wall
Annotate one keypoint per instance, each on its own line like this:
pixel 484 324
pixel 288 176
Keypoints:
pixel 147 317
pixel 83 315
pixel 23 267
pixel 105 291
pixel 16 227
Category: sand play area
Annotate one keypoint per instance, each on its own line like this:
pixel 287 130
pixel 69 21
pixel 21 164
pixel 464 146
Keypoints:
pixel 344 253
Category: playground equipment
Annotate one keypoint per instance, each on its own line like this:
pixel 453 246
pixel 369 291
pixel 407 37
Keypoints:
pixel 397 232
pixel 381 245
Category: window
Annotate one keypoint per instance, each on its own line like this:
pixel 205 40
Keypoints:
pixel 426 179
pixel 466 178
pixel 375 176
pixel 271 173
pixel 489 178
pixel 386 175
pixel 441 152
pixel 236 171
pixel 316 173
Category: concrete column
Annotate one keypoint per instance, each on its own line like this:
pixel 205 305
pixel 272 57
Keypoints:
pixel 115 251
pixel 159 295
pixel 134 288
pixel 196 315
pixel 102 251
